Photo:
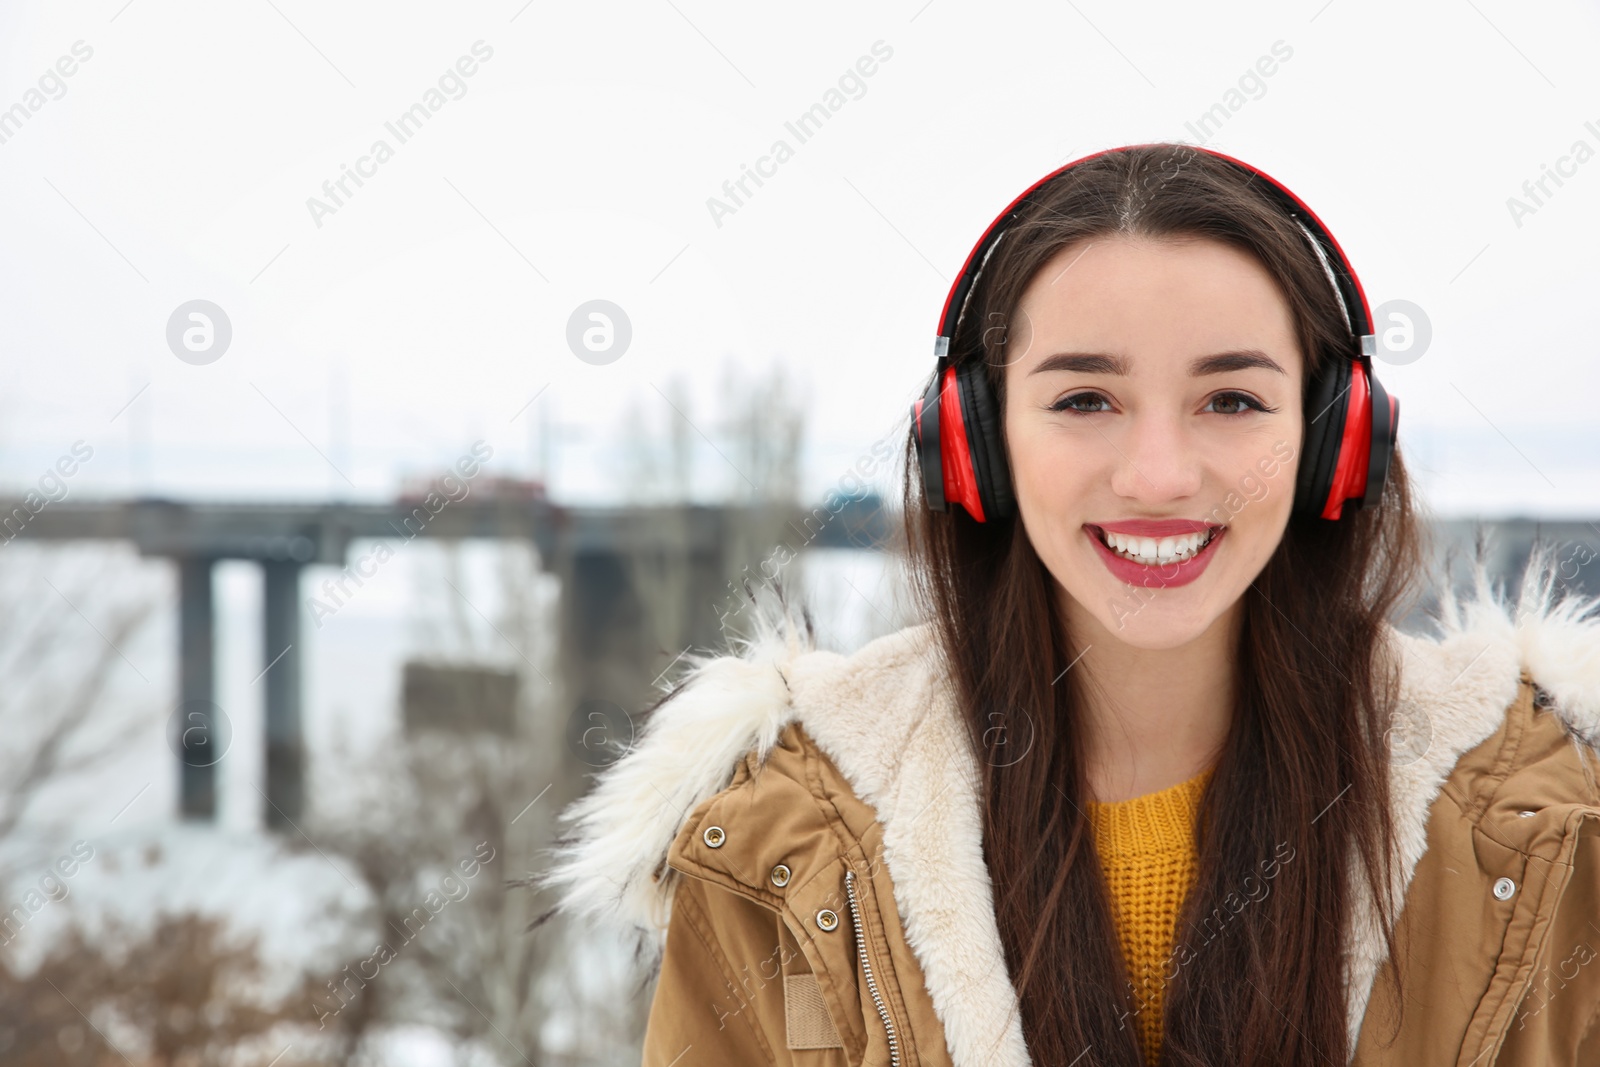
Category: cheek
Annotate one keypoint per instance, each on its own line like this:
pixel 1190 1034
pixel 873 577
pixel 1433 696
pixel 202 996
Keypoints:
pixel 1260 498
pixel 1048 472
pixel 1039 483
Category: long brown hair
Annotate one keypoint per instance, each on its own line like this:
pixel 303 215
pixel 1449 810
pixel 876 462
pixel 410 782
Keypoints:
pixel 1300 793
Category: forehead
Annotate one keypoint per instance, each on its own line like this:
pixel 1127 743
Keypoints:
pixel 1151 297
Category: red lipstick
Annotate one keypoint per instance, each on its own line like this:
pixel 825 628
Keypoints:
pixel 1167 575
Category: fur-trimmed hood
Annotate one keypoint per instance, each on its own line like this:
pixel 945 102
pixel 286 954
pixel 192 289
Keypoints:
pixel 883 716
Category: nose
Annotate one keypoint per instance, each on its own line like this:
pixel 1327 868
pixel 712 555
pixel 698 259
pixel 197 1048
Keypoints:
pixel 1156 460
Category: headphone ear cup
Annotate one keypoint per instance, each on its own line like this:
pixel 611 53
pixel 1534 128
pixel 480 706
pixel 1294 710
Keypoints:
pixel 1385 425
pixel 925 435
pixel 1325 411
pixel 982 417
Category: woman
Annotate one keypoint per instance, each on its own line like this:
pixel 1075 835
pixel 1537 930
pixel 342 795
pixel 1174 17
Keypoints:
pixel 1158 781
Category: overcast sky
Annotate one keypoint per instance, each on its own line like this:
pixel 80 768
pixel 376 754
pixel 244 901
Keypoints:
pixel 385 331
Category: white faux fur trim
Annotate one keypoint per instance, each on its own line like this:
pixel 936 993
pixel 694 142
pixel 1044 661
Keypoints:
pixel 687 749
pixel 1454 693
pixel 886 719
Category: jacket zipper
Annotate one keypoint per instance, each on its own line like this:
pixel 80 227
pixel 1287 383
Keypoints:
pixel 866 967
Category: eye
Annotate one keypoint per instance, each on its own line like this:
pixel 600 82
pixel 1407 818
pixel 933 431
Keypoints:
pixel 1240 398
pixel 1069 403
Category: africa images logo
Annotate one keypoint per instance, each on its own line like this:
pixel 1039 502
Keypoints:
pixel 404 127
pixel 804 127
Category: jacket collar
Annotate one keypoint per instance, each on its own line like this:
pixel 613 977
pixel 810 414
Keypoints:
pixel 886 719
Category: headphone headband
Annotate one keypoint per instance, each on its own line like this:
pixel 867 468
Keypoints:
pixel 1352 297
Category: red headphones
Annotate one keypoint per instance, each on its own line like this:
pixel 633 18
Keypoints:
pixel 1349 433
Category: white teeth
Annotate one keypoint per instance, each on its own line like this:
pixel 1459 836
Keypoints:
pixel 1150 550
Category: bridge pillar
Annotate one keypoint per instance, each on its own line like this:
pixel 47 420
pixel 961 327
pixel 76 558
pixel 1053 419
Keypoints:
pixel 285 743
pixel 198 748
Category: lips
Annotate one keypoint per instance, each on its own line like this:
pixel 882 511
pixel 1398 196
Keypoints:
pixel 1167 575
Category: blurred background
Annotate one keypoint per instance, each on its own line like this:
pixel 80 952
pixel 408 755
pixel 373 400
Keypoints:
pixel 392 394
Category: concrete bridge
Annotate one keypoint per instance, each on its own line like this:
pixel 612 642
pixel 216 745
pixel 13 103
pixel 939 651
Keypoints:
pixel 608 645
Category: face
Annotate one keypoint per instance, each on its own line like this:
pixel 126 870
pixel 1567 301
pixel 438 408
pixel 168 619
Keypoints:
pixel 1153 400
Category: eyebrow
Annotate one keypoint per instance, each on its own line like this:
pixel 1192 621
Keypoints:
pixel 1100 363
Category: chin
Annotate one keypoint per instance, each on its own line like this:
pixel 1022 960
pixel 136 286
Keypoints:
pixel 1146 618
pixel 1157 628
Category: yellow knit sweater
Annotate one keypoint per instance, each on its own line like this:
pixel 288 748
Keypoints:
pixel 1146 846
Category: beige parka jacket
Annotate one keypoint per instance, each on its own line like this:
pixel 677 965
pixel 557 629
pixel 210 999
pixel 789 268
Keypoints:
pixel 796 835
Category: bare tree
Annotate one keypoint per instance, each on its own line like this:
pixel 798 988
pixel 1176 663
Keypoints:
pixel 765 430
pixel 176 989
pixel 71 614
pixel 179 991
pixel 758 440
pixel 436 796
pixel 435 799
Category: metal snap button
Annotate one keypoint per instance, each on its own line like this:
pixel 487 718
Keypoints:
pixel 1503 888
pixel 714 837
pixel 1526 814
pixel 780 875
pixel 828 919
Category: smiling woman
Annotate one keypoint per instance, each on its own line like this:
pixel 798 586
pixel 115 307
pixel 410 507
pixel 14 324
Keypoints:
pixel 1132 339
pixel 1156 779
